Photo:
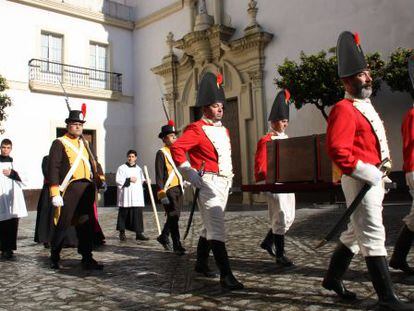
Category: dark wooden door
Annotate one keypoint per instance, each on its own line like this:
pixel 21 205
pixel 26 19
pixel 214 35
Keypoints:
pixel 90 136
pixel 231 121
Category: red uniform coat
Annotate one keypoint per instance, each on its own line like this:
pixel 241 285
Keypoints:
pixel 199 148
pixel 407 130
pixel 350 137
pixel 260 158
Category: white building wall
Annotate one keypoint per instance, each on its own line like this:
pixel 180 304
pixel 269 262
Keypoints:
pixel 33 118
pixel 149 49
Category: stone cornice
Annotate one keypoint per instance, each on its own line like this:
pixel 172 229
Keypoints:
pixel 67 9
pixel 160 14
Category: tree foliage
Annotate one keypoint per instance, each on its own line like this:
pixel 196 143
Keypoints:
pixel 396 71
pixel 314 78
pixel 5 101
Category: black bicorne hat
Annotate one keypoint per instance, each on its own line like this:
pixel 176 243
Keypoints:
pixel 167 129
pixel 351 59
pixel 280 108
pixel 411 68
pixel 77 115
pixel 210 90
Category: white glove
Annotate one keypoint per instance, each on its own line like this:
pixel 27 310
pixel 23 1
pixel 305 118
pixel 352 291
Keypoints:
pixel 368 173
pixel 165 201
pixel 387 180
pixel 409 178
pixel 57 201
pixel 186 184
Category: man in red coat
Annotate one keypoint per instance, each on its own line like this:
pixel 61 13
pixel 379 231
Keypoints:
pixel 357 143
pixel 281 205
pixel 405 239
pixel 208 141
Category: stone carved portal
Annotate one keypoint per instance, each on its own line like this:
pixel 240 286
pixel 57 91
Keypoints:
pixel 241 61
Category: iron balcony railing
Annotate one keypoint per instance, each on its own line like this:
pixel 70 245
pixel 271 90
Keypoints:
pixel 54 73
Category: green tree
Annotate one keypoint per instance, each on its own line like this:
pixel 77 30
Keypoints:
pixel 396 71
pixel 5 101
pixel 314 79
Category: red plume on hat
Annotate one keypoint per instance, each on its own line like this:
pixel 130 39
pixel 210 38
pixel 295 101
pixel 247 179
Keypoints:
pixel 83 109
pixel 219 79
pixel 170 122
pixel 356 38
pixel 287 96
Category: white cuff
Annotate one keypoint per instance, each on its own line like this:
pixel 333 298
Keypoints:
pixel 368 173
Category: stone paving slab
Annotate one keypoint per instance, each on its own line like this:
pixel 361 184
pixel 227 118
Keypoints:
pixel 142 276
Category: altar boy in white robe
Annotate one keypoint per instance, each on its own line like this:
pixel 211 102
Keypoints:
pixel 129 180
pixel 12 204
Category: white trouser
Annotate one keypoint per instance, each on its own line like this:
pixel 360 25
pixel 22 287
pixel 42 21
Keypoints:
pixel 212 201
pixel 409 219
pixel 281 208
pixel 365 230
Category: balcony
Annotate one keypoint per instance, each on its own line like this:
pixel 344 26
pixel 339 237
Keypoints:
pixel 46 76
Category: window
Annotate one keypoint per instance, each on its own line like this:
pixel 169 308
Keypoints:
pixel 99 63
pixel 52 53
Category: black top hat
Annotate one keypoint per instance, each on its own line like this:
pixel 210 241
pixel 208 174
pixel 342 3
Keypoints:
pixel 280 108
pixel 210 90
pixel 167 129
pixel 351 59
pixel 411 68
pixel 75 116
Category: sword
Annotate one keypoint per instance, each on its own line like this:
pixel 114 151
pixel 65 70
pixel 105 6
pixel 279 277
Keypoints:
pixel 345 217
pixel 196 194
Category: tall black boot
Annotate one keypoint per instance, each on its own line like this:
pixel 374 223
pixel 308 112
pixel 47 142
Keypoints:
pixel 381 280
pixel 203 252
pixel 267 243
pixel 163 237
pixel 227 279
pixel 175 236
pixel 402 247
pixel 340 261
pixel 55 258
pixel 281 259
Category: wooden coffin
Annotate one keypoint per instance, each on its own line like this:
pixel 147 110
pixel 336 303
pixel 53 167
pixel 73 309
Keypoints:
pixel 327 171
pixel 291 160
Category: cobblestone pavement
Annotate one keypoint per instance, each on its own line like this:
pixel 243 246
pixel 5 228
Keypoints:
pixel 141 276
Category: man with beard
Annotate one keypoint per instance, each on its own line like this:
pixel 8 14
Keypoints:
pixel 406 236
pixel 281 206
pixel 357 143
pixel 207 141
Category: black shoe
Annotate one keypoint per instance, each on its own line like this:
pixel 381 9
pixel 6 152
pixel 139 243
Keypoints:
pixel 381 280
pixel 267 244
pixel 122 236
pixel 179 250
pixel 339 288
pixel 205 270
pixel 46 245
pixel 54 262
pixel 54 265
pixel 91 264
pixel 284 262
pixel 141 237
pixel 164 242
pixel 340 261
pixel 229 282
pixel 7 255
